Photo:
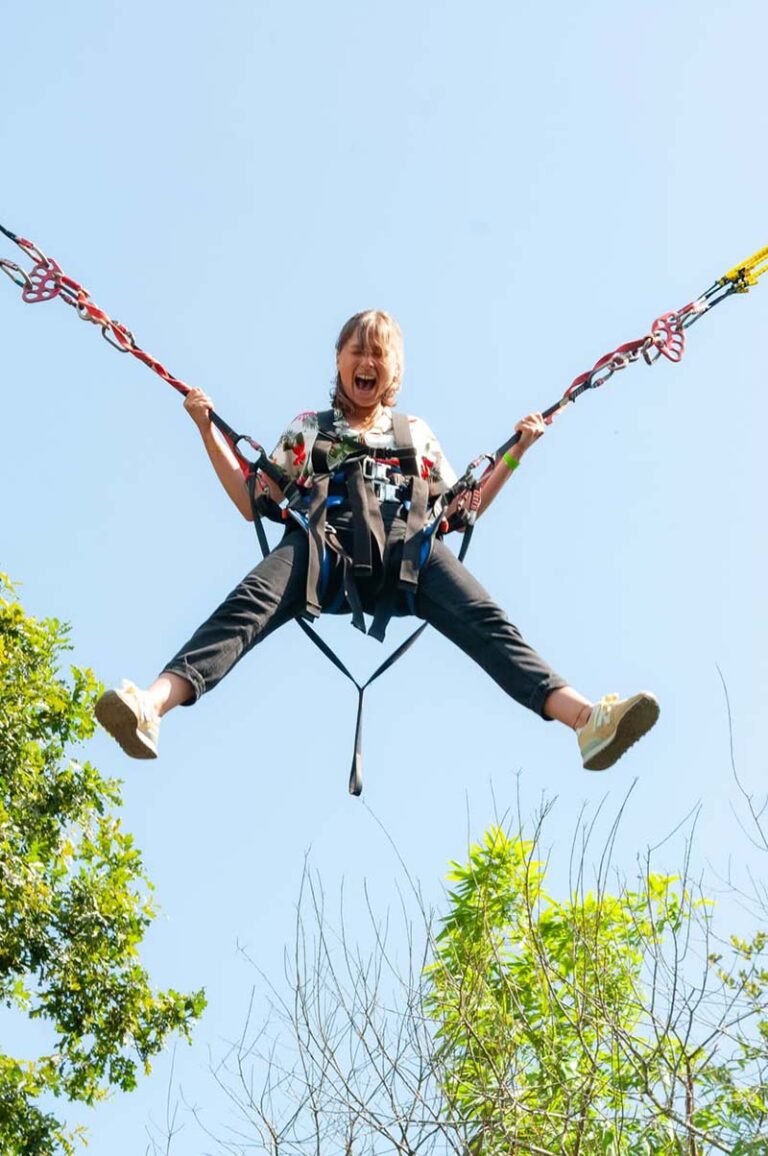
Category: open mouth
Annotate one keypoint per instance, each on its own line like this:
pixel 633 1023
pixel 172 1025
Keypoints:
pixel 366 383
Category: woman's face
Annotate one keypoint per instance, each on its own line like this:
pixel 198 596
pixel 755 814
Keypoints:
pixel 365 376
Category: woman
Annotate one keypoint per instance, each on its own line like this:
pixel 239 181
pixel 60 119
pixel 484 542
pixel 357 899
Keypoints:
pixel 367 478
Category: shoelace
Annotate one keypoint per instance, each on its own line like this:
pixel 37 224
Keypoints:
pixel 145 714
pixel 602 710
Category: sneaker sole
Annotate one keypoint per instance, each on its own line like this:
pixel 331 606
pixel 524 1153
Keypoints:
pixel 118 719
pixel 637 721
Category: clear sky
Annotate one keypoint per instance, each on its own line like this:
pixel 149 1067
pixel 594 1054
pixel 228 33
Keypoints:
pixel 525 187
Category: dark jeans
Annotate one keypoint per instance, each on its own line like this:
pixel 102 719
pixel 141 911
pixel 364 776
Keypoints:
pixel 448 597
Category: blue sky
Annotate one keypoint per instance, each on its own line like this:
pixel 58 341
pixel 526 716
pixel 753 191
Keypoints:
pixel 524 187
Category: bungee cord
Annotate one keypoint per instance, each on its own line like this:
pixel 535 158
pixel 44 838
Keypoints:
pixel 46 280
pixel 666 338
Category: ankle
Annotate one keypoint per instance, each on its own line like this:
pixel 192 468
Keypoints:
pixel 582 718
pixel 168 691
pixel 568 706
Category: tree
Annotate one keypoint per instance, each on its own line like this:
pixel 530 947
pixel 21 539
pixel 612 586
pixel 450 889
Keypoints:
pixel 74 900
pixel 602 1023
pixel 609 1022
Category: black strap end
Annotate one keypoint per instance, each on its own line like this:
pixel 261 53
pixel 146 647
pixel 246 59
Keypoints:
pixel 356 774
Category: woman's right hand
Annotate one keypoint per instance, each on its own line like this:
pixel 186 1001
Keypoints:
pixel 198 405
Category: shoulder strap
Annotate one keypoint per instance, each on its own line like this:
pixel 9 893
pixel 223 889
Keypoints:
pixel 405 449
pixel 326 435
pixel 326 421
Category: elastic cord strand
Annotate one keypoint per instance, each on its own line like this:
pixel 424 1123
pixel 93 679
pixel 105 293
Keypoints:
pixel 750 267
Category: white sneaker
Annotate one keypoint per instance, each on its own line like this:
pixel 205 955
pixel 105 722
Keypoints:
pixel 128 715
pixel 613 726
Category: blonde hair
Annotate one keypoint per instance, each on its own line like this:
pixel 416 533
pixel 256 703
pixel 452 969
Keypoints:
pixel 377 331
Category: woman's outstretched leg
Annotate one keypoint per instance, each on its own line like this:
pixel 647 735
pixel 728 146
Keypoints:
pixel 271 594
pixel 454 602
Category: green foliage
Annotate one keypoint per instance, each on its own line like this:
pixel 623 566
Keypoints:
pixel 74 900
pixel 577 1027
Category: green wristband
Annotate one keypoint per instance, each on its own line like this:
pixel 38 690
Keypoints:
pixel 510 462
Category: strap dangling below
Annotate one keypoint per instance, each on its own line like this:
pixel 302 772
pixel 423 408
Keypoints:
pixel 356 774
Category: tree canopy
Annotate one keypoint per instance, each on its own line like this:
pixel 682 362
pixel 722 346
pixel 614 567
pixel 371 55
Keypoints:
pixel 75 902
pixel 603 1023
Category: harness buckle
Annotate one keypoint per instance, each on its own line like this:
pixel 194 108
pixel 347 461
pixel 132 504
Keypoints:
pixel 387 491
pixel 381 476
pixel 375 470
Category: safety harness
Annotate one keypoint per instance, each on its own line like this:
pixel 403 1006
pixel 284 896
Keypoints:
pixel 388 502
pixel 358 481
pixel 378 498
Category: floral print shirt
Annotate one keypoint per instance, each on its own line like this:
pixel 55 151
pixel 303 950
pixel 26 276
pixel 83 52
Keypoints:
pixel 293 453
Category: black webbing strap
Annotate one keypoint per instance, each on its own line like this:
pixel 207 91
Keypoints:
pixel 413 540
pixel 466 539
pixel 406 450
pixel 316 541
pixel 349 585
pixel 423 494
pixel 356 773
pixel 258 511
pixel 259 463
pixel 368 524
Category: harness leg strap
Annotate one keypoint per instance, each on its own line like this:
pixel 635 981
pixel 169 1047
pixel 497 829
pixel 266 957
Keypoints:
pixel 316 536
pixel 368 522
pixel 413 541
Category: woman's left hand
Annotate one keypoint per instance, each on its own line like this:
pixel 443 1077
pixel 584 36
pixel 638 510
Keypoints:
pixel 530 429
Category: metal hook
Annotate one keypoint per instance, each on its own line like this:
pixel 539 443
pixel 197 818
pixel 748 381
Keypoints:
pixel 16 274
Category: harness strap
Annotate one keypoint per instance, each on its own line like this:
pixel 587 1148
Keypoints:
pixel 421 494
pixel 412 542
pixel 258 507
pixel 356 772
pixel 349 586
pixel 401 429
pixel 326 424
pixel 368 522
pixel 316 536
pixel 385 603
pixel 316 515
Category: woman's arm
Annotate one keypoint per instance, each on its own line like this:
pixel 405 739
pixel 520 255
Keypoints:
pixel 198 405
pixel 530 429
